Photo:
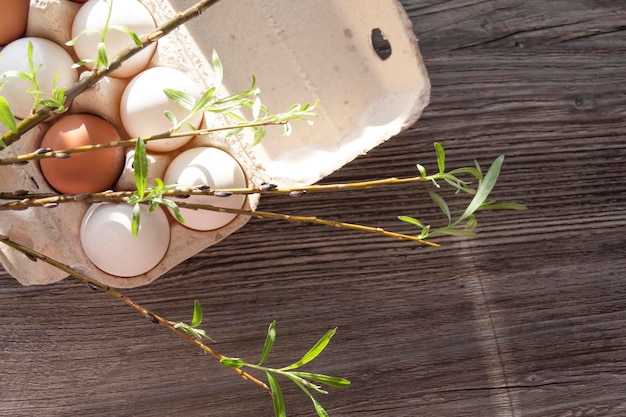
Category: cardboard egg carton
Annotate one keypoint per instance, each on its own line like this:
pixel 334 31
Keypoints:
pixel 300 52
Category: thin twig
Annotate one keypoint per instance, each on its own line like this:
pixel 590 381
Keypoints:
pixel 53 201
pixel 306 219
pixel 96 285
pixel 131 142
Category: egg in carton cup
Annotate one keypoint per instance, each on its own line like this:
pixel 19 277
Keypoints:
pixel 299 52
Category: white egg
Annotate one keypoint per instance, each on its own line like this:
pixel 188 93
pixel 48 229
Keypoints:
pixel 90 21
pixel 143 105
pixel 48 58
pixel 107 239
pixel 218 170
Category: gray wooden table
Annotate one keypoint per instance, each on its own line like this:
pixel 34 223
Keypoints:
pixel 529 319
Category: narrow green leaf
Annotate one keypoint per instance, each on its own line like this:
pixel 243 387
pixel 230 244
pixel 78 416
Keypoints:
pixel 140 165
pixel 30 57
pixel 132 35
pixel 103 59
pixel 217 68
pixel 6 115
pixel 502 206
pixel 412 221
pixel 196 320
pixel 441 157
pixel 442 204
pixel 319 409
pixel 29 78
pixel 169 203
pixel 73 41
pixel 181 98
pixel 484 187
pixel 135 219
pixel 170 116
pixel 323 379
pixel 425 232
pixel 467 170
pixel 269 342
pixel 471 223
pixel 458 232
pixel 232 362
pixel 277 396
pixel 35 91
pixel 314 351
pixel 82 63
pixel 203 101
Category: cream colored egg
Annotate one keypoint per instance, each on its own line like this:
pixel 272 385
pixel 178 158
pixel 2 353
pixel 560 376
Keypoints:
pixel 107 239
pixel 90 21
pixel 51 61
pixel 212 167
pixel 144 103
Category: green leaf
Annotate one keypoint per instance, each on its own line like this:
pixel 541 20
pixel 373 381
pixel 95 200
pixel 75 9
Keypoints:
pixel 73 41
pixel 169 203
pixel 196 320
pixel 314 351
pixel 468 170
pixel 140 164
pixel 277 396
pixel 30 57
pixel 425 232
pixel 132 35
pixel 412 221
pixel 217 68
pixel 458 232
pixel 170 116
pixel 82 63
pixel 319 409
pixel 441 157
pixel 324 379
pixel 471 222
pixel 484 187
pixel 442 204
pixel 203 101
pixel 269 342
pixel 232 362
pixel 6 115
pixel 502 206
pixel 135 219
pixel 181 98
pixel 103 59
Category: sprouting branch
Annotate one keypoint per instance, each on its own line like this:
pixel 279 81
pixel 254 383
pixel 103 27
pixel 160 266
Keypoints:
pixel 47 154
pixel 148 314
pixel 97 74
pixel 306 219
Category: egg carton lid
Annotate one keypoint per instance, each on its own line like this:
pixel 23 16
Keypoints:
pixel 322 50
pixel 299 52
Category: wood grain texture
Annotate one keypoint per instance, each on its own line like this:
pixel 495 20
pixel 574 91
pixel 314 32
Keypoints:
pixel 529 319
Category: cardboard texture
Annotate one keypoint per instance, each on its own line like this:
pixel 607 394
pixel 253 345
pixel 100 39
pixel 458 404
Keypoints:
pixel 299 52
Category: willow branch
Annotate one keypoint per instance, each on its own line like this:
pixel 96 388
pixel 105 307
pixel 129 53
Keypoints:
pixel 306 219
pixel 98 73
pixel 44 153
pixel 28 199
pixel 150 315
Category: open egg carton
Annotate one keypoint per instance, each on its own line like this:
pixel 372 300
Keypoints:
pixel 299 52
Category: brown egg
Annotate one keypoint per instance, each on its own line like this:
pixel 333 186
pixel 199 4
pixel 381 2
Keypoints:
pixel 13 19
pixel 86 172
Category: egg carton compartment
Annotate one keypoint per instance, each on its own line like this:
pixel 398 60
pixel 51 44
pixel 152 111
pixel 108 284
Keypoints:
pixel 299 52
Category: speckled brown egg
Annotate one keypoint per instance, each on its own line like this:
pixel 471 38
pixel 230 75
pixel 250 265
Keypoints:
pixel 13 19
pixel 86 172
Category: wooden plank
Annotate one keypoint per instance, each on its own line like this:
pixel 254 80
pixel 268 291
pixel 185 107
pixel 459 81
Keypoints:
pixel 527 320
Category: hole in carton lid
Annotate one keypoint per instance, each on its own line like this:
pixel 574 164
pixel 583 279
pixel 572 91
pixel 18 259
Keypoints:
pixel 380 44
